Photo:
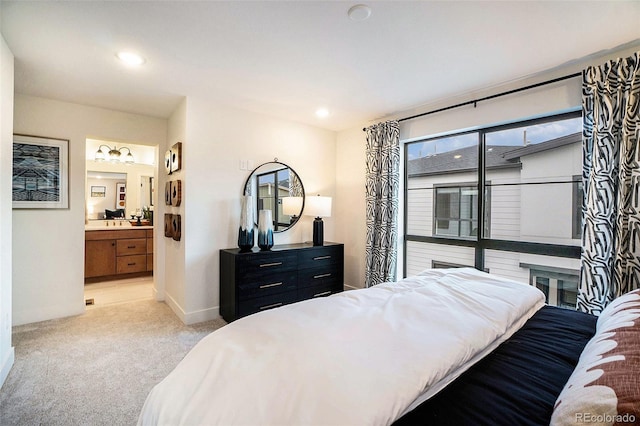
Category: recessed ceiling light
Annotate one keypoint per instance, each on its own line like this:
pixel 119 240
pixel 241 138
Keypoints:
pixel 322 113
pixel 457 156
pixel 130 58
pixel 359 12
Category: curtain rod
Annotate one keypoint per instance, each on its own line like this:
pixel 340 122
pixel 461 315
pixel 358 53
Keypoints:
pixel 486 98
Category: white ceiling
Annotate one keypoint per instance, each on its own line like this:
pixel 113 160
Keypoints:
pixel 286 59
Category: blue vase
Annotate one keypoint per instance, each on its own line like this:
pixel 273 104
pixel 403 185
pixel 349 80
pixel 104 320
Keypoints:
pixel 245 239
pixel 265 230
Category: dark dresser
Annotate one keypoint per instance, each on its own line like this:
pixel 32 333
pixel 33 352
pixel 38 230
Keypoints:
pixel 253 281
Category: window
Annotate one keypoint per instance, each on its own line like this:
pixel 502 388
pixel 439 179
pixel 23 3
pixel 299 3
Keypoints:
pixel 446 265
pixel 559 286
pixel 456 211
pixel 499 197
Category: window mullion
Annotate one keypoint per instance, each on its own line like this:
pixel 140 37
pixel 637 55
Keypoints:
pixel 479 252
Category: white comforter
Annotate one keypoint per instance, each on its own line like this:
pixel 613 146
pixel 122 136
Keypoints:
pixel 361 357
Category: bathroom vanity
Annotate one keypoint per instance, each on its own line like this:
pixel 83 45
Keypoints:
pixel 116 252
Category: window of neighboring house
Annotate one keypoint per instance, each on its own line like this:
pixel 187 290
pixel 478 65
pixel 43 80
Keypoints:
pixel 542 283
pixel 560 286
pixel 456 211
pixel 446 265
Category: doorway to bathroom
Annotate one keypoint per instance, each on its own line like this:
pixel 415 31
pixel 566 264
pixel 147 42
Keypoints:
pixel 119 225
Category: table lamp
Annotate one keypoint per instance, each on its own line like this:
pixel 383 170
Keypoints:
pixel 319 207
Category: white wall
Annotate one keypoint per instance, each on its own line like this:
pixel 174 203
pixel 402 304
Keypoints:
pixel 559 97
pixel 172 287
pixel 6 149
pixel 350 214
pixel 215 139
pixel 55 238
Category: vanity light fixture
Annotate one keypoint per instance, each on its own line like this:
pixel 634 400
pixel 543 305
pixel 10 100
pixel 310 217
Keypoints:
pixel 130 58
pixel 114 155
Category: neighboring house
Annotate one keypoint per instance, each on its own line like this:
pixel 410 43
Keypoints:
pixel 532 194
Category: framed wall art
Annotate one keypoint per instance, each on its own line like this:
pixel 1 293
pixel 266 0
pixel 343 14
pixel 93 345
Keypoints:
pixel 98 191
pixel 40 173
pixel 173 158
pixel 176 157
pixel 167 193
pixel 121 195
pixel 176 193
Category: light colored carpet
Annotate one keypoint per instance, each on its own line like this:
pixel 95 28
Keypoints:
pixel 96 368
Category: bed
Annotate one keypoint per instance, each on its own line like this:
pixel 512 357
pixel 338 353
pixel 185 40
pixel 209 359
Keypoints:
pixel 455 346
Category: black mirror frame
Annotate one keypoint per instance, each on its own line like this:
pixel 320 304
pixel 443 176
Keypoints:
pixel 248 182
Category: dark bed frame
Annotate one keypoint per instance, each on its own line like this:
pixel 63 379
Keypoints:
pixel 518 383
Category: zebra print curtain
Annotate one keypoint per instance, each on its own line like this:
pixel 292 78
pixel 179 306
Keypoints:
pixel 382 186
pixel 610 263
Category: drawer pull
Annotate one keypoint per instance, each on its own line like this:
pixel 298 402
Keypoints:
pixel 321 257
pixel 275 305
pixel 131 247
pixel 267 265
pixel 324 293
pixel 131 264
pixel 322 276
pixel 270 285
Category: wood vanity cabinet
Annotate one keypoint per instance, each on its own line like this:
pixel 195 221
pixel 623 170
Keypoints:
pixel 257 280
pixel 114 254
pixel 99 258
pixel 150 250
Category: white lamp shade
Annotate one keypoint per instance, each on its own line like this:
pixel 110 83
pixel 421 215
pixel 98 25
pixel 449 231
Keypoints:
pixel 317 206
pixel 291 206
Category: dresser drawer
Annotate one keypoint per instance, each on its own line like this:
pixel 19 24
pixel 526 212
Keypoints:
pixel 267 284
pixel 321 290
pixel 320 256
pixel 251 306
pixel 259 264
pixel 326 275
pixel 130 264
pixel 131 246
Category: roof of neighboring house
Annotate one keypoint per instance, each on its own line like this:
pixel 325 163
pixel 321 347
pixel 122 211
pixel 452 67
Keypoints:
pixel 496 157
pixel 543 146
pixel 467 160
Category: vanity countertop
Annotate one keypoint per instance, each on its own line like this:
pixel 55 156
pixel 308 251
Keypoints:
pixel 113 225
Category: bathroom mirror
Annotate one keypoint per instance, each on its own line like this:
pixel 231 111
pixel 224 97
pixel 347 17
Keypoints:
pixel 106 194
pixel 276 187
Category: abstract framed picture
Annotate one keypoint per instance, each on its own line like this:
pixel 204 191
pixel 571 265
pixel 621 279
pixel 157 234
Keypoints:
pixel 40 173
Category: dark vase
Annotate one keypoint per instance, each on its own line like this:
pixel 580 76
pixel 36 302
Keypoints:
pixel 245 239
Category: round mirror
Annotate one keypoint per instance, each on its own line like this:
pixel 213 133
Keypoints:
pixel 276 187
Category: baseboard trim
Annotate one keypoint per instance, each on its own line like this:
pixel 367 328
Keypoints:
pixel 202 315
pixel 175 307
pixel 189 318
pixel 7 363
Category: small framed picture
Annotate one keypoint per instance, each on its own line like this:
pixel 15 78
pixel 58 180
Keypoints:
pixel 98 191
